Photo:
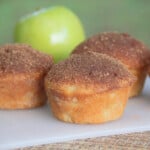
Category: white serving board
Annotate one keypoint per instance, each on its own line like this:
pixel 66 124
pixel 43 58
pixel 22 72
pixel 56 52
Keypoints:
pixel 23 128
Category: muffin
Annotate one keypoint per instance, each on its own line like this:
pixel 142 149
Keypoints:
pixel 88 88
pixel 22 71
pixel 148 64
pixel 123 47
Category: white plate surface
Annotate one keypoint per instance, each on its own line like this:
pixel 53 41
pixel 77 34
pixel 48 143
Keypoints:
pixel 23 128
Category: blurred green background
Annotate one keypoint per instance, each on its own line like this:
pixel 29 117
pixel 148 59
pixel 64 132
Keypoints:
pixel 132 16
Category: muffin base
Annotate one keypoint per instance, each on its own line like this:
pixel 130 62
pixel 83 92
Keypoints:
pixel 22 91
pixel 90 109
pixel 137 87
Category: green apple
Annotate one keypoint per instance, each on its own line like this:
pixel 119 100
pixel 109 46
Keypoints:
pixel 56 31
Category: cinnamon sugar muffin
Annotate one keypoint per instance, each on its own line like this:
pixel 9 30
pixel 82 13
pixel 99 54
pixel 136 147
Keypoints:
pixel 148 64
pixel 88 88
pixel 123 47
pixel 22 71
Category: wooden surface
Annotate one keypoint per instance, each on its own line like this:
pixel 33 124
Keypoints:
pixel 133 141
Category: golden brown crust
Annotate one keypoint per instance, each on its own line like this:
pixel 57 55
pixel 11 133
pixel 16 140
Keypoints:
pixel 97 108
pixel 137 87
pixel 22 71
pixel 21 58
pixel 148 65
pixel 88 88
pixel 22 91
pixel 122 46
pixel 90 71
pixel 148 71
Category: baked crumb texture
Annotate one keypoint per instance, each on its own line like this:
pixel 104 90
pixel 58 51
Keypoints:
pixel 22 58
pixel 122 46
pixel 88 88
pixel 148 68
pixel 22 71
pixel 133 53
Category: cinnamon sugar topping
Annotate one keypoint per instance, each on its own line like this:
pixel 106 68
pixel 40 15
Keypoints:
pixel 21 58
pixel 91 69
pixel 118 45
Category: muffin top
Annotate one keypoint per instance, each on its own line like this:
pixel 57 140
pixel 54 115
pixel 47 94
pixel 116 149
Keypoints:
pixel 122 46
pixel 89 70
pixel 22 58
